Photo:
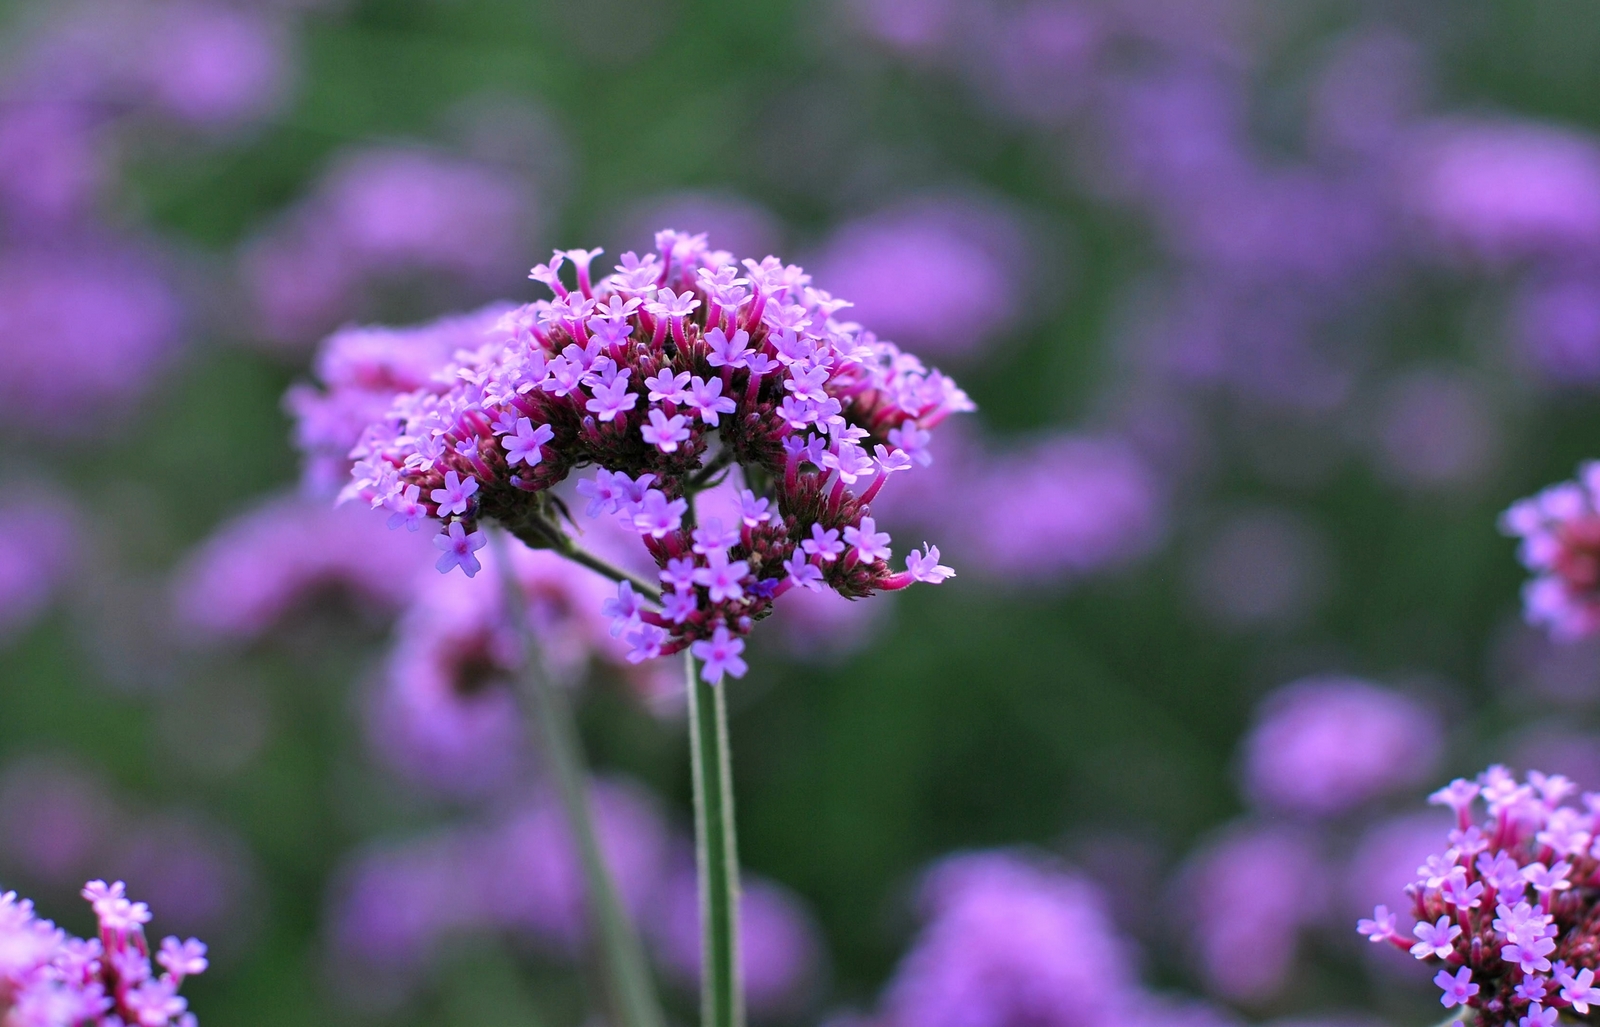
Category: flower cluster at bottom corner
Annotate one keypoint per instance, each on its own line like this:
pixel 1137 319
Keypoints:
pixel 50 978
pixel 1508 910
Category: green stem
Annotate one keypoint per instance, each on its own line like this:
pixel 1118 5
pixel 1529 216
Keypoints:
pixel 599 566
pixel 716 853
pixel 633 996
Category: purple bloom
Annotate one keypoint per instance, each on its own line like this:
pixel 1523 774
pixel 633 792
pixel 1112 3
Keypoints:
pixel 870 543
pixel 523 447
pixel 823 544
pixel 667 387
pixel 723 578
pixel 1538 1016
pixel 804 573
pixel 665 432
pixel 1435 939
pixel 720 655
pixel 613 399
pixel 728 352
pixel 457 549
pixel 378 214
pixel 657 515
pixel 1322 746
pixel 259 567
pixel 925 566
pixel 455 495
pixel 1251 890
pixel 1380 928
pixel 1008 940
pixel 1457 989
pixel 706 398
pixel 938 272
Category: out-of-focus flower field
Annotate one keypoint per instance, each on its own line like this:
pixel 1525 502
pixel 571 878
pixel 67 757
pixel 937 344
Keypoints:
pixel 1269 310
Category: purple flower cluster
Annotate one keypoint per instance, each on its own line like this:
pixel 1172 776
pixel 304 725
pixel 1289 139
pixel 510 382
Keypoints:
pixel 1560 544
pixel 1508 910
pixel 49 979
pixel 638 373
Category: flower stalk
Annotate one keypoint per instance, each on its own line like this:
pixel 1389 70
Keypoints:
pixel 632 992
pixel 716 852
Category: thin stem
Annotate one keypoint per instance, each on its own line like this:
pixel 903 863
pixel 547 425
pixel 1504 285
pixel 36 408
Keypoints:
pixel 599 566
pixel 716 853
pixel 633 996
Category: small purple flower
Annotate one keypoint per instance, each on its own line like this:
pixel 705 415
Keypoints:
pixel 804 573
pixel 754 511
pixel 925 566
pixel 1579 989
pixel 188 958
pixel 645 642
pixel 523 447
pixel 665 432
pixel 1380 928
pixel 870 543
pixel 612 399
pixel 728 352
pixel 823 544
pixel 1539 1016
pixel 708 401
pixel 657 515
pixel 667 387
pixel 457 549
pixel 712 537
pixel 455 495
pixel 678 607
pixel 723 579
pixel 1435 939
pixel 679 573
pixel 1457 989
pixel 624 610
pixel 720 655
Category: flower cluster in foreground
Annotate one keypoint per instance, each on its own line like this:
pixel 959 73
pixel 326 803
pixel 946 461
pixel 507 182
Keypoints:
pixel 50 979
pixel 1560 533
pixel 1508 911
pixel 665 376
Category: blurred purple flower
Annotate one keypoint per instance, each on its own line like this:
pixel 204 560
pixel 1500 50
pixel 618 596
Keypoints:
pixel 1259 568
pixel 52 164
pixel 1324 745
pixel 1559 529
pixel 1504 191
pixel 1038 59
pixel 286 553
pixel 1010 941
pixel 1367 95
pixel 1435 429
pixel 200 874
pixel 391 906
pixel 1528 664
pixel 39 542
pixel 910 28
pixel 55 819
pixel 442 713
pixel 384 214
pixel 944 274
pixel 1251 890
pixel 1065 506
pixel 83 326
pixel 211 64
pixel 1555 322
pixel 779 942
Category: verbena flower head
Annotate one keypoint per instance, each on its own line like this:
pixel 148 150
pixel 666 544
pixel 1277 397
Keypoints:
pixel 1508 911
pixel 49 978
pixel 663 376
pixel 1560 533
